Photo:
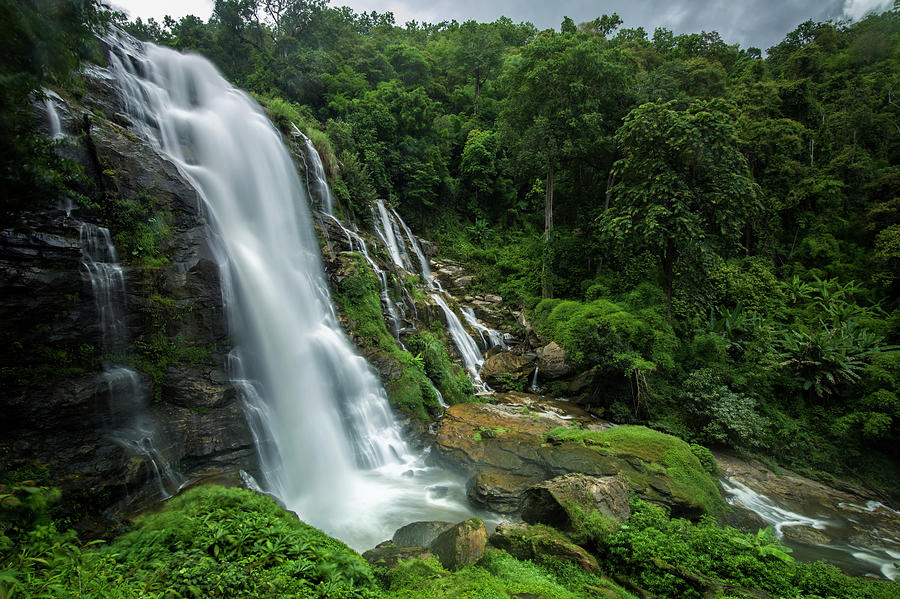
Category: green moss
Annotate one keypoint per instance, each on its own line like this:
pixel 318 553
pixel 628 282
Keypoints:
pixel 449 378
pixel 140 227
pixel 688 478
pixel 497 575
pixel 358 299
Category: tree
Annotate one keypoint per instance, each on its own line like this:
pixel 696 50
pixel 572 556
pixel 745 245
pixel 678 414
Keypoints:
pixel 479 51
pixel 683 183
pixel 566 97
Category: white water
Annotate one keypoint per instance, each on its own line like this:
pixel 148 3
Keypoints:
pixel 329 446
pixel 390 234
pixel 468 349
pixel 427 277
pixel 128 421
pixel 534 380
pixel 316 183
pixel 53 121
pixel 493 339
pixel 848 555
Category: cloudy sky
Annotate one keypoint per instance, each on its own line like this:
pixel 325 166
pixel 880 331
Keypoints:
pixel 760 23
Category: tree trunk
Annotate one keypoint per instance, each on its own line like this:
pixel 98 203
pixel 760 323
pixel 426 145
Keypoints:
pixel 546 287
pixel 668 260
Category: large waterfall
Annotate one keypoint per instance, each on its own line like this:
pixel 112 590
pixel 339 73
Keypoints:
pixel 328 443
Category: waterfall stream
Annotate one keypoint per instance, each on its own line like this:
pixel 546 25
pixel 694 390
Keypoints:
pixel 128 419
pixel 329 446
pixel 467 347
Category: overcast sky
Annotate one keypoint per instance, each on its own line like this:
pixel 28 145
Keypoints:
pixel 760 23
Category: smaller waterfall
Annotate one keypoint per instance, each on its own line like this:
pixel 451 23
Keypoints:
pixel 427 277
pixel 467 347
pixel 54 124
pixel 130 424
pixel 389 232
pixel 316 183
pixel 440 396
pixel 772 514
pixel 534 380
pixel 357 244
pixel 494 338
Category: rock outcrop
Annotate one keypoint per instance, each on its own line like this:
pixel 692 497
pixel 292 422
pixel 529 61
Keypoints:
pixel 562 501
pixel 462 545
pixel 54 405
pixel 541 544
pixel 505 369
pixel 516 442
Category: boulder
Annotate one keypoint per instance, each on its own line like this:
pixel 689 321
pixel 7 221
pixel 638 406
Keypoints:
pixel 499 491
pixel 541 544
pixel 420 534
pixel 462 545
pixel 462 282
pixel 806 535
pixel 562 501
pixel 504 368
pixel 390 556
pixel 519 444
pixel 552 362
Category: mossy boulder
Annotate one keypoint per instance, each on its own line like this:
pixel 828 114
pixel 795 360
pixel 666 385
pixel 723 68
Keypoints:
pixel 541 544
pixel 515 440
pixel 565 501
pixel 420 534
pixel 462 545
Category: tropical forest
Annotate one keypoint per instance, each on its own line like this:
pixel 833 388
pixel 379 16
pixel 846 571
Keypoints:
pixel 300 301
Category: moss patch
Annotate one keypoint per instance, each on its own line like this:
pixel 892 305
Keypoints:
pixel 660 454
pixel 449 378
pixel 358 300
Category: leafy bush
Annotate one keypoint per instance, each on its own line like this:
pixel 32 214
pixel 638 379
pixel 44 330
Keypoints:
pixel 722 417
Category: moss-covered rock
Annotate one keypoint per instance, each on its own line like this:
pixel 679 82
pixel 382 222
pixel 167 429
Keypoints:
pixel 660 467
pixel 462 545
pixel 403 376
pixel 568 501
pixel 541 544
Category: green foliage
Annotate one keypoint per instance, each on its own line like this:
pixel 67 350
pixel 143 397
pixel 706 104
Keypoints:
pixel 453 383
pixel 411 392
pixel 722 417
pixel 676 558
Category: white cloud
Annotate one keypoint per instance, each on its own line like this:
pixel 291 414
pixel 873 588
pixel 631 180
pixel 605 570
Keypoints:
pixel 857 9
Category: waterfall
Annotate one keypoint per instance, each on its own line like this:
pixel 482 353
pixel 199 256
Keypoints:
pixel 467 347
pixel 494 338
pixel 329 446
pixel 390 234
pixel 357 244
pixel 427 278
pixel 317 185
pixel 54 124
pixel 534 381
pixel 130 424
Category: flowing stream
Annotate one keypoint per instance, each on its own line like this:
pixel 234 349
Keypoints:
pixel 328 443
pixel 857 542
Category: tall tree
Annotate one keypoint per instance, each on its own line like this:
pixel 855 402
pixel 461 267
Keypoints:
pixel 683 184
pixel 479 51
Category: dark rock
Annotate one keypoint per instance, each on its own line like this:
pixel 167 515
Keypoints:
pixel 541 544
pixel 559 501
pixel 806 535
pixel 391 556
pixel 420 534
pixel 505 368
pixel 498 491
pixel 462 545
pixel 552 362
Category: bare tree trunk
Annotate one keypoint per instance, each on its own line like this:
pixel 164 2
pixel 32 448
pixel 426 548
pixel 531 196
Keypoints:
pixel 546 287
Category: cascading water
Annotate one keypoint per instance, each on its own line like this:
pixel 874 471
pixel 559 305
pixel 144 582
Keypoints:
pixel 842 550
pixel 534 381
pixel 494 338
pixel 390 234
pixel 467 347
pixel 130 425
pixel 427 277
pixel 54 124
pixel 329 446
pixel 316 183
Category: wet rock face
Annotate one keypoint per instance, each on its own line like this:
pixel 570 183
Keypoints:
pixel 499 491
pixel 54 404
pixel 420 534
pixel 506 368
